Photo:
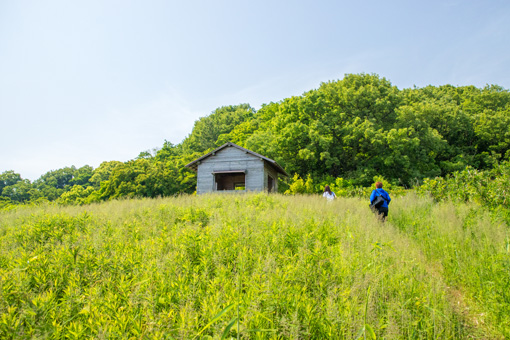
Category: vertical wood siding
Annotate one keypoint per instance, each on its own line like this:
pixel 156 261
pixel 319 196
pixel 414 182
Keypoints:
pixel 270 171
pixel 227 159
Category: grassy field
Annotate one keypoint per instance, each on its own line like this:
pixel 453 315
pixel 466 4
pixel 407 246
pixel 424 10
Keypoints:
pixel 254 266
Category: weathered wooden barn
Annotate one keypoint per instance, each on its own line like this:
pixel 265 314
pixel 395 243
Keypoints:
pixel 232 168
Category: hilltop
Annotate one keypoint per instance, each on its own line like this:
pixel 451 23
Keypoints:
pixel 352 129
pixel 266 266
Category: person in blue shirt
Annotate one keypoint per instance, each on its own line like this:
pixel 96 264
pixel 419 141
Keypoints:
pixel 383 209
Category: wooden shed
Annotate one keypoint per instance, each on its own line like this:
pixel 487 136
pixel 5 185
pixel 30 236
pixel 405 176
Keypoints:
pixel 232 168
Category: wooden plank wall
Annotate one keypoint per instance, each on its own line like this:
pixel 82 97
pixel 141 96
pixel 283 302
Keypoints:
pixel 231 158
pixel 270 171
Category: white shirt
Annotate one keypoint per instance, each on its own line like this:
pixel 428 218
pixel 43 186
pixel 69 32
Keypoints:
pixel 329 196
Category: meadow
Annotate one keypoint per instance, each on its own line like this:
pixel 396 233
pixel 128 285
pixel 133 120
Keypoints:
pixel 254 266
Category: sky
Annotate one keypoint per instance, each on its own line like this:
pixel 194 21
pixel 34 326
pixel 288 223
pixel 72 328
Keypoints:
pixel 82 82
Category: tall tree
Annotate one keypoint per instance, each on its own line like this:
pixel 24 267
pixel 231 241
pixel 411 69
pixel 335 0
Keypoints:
pixel 207 130
pixel 8 178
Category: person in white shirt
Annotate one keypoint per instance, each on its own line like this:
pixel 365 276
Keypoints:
pixel 330 195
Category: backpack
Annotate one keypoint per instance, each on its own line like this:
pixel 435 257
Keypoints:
pixel 378 201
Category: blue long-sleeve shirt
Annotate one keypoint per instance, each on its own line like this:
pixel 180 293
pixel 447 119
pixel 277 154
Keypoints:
pixel 384 194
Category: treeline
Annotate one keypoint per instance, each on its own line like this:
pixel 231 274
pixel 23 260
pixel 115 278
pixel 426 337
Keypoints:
pixel 346 132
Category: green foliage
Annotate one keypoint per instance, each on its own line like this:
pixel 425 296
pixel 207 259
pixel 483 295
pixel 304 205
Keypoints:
pixel 354 129
pixel 8 178
pixel 54 183
pixel 20 192
pixel 258 266
pixel 146 178
pixel 340 186
pixel 5 203
pixel 299 186
pixel 57 179
pixel 78 195
pixel 82 176
pixel 469 248
pixel 489 188
pixel 271 266
pixel 363 126
pixel 207 132
pixel 103 173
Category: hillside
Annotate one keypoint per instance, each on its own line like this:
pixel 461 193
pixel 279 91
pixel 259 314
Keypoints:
pixel 352 129
pixel 275 266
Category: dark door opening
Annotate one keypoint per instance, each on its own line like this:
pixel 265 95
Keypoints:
pixel 270 184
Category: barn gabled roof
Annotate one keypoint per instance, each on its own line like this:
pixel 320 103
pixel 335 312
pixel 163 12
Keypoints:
pixel 193 165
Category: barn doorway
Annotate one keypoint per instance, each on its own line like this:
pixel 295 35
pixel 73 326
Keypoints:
pixel 230 180
pixel 270 184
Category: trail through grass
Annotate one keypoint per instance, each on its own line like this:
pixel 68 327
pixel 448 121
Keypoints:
pixel 255 266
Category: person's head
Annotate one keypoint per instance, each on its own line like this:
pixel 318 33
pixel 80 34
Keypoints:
pixel 327 189
pixel 378 185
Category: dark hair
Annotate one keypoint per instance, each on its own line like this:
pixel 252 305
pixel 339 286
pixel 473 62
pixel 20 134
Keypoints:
pixel 327 189
pixel 378 185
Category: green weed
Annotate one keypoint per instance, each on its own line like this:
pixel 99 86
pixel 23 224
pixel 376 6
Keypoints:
pixel 253 266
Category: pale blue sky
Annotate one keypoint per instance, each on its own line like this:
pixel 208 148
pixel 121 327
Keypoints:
pixel 83 82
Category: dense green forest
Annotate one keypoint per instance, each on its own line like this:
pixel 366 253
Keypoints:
pixel 345 133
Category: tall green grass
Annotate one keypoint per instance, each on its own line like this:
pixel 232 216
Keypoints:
pixel 253 266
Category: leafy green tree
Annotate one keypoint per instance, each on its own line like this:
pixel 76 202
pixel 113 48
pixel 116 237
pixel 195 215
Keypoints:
pixel 207 130
pixel 335 130
pixel 146 178
pixel 21 191
pixel 103 172
pixel 8 178
pixel 77 195
pixel 300 186
pixel 81 176
pixel 53 183
pixel 353 129
pixel 168 151
pixel 145 155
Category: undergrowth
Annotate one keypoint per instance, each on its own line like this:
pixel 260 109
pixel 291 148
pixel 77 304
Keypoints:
pixel 254 266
